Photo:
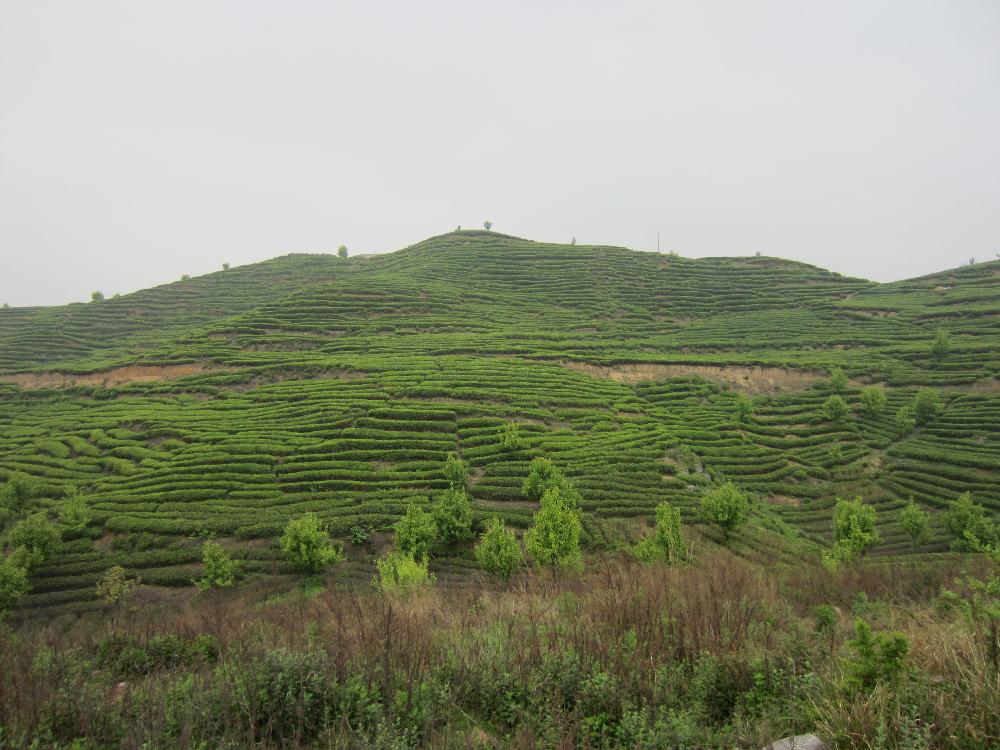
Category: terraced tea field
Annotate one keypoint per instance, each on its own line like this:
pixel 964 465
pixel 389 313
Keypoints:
pixel 226 404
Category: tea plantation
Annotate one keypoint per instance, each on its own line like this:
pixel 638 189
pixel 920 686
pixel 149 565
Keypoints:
pixel 227 404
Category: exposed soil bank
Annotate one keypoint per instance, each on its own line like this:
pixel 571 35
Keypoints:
pixel 741 377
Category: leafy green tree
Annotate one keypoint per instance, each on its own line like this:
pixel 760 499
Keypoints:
pixel 185 277
pixel 941 345
pixel 498 551
pixel 487 225
pixel 225 266
pixel 74 512
pixel 416 533
pixel 306 544
pixel 452 514
pixel 838 379
pixel 542 475
pixel 38 537
pixel 114 587
pixel 853 531
pixel 970 528
pixel 873 401
pixel 727 507
pixel 342 251
pixel 510 437
pixel 15 498
pixel 554 537
pixel 905 420
pixel 666 544
pixel 456 471
pixel 879 658
pixel 926 405
pixel 13 583
pixel 835 408
pixel 401 574
pixel 916 523
pixel 97 297
pixel 744 408
pixel 220 568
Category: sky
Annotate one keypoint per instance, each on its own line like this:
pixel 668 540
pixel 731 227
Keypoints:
pixel 140 141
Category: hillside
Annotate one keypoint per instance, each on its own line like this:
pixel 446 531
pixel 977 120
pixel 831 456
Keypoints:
pixel 228 403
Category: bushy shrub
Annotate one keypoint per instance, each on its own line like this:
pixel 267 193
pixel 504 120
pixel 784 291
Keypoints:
pixel 879 658
pixel 838 380
pixel 96 296
pixel 873 401
pixel 416 532
pixel 926 405
pixel 510 437
pixel 941 344
pixel 970 528
pixel 905 420
pixel 835 408
pixel 456 471
pixel 727 507
pixel 542 475
pixel 666 544
pixel 342 251
pixel 306 544
pixel 498 551
pixel 114 587
pixel 744 408
pixel 36 538
pixel 400 573
pixel 452 514
pixel 853 531
pixel 13 583
pixel 75 512
pixel 554 537
pixel 916 523
pixel 220 568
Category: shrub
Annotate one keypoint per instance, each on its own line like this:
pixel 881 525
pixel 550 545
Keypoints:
pixel 510 437
pixel 838 379
pixel 835 408
pixel 666 544
pixel 225 266
pixel 498 551
pixel 17 493
pixel 905 420
pixel 13 583
pixel 853 531
pixel 941 344
pixel 114 587
pixel 926 405
pixel 487 225
pixel 971 530
pixel 727 507
pixel 96 296
pixel 342 251
pixel 306 544
pixel 456 471
pixel 542 475
pixel 220 568
pixel 873 401
pixel 415 532
pixel 74 512
pixel 916 523
pixel 744 408
pixel 879 658
pixel 554 537
pixel 401 573
pixel 452 514
pixel 37 537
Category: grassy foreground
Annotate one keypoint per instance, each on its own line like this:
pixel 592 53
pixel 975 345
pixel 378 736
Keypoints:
pixel 717 654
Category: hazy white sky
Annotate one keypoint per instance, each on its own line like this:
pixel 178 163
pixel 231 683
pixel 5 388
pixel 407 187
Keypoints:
pixel 143 140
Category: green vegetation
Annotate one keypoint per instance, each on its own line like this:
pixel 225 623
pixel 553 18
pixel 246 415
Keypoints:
pixel 835 409
pixel 400 574
pixel 666 544
pixel 452 516
pixel 498 551
pixel 727 507
pixel 873 401
pixel 854 531
pixel 416 533
pixel 554 536
pixel 220 568
pixel 306 544
pixel 916 523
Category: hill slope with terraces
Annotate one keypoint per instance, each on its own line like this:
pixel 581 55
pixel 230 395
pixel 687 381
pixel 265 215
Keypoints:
pixel 228 403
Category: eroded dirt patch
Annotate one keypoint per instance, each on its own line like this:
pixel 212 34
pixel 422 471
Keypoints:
pixel 740 377
pixel 116 376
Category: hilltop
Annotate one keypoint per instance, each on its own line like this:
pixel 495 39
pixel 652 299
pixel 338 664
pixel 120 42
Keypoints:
pixel 228 403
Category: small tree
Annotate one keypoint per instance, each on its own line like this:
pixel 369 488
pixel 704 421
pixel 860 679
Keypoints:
pixel 905 420
pixel 74 512
pixel 400 574
pixel 572 240
pixel 342 251
pixel 306 544
pixel 970 528
pixel 744 408
pixel 835 409
pixel 452 514
pixel 487 225
pixel 13 584
pixel 853 531
pixel 456 471
pixel 96 296
pixel 666 544
pixel 15 498
pixel 510 438
pixel 114 587
pixel 880 658
pixel 926 405
pixel 941 344
pixel 225 266
pixel 37 538
pixel 220 568
pixel 916 523
pixel 498 552
pixel 185 277
pixel 416 533
pixel 873 401
pixel 838 380
pixel 542 475
pixel 727 507
pixel 554 537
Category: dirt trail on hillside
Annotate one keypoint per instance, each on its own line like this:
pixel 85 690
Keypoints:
pixel 743 378
pixel 116 376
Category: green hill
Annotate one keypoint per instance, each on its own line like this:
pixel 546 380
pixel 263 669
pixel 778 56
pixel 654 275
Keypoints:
pixel 228 403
